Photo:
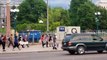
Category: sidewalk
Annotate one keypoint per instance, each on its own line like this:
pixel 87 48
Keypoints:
pixel 32 48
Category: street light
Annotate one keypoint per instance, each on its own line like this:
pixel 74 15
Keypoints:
pixel 97 20
pixel 2 26
pixel 14 10
pixel 40 21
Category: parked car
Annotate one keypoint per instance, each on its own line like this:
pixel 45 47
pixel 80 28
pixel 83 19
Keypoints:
pixel 79 43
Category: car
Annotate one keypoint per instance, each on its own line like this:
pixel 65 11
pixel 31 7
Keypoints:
pixel 79 43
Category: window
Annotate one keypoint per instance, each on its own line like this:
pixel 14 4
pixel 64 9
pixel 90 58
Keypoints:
pixel 96 38
pixel 82 38
pixel 86 38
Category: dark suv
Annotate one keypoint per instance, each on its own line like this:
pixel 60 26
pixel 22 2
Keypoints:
pixel 83 42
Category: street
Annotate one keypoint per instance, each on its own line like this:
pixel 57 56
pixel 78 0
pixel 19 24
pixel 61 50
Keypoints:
pixel 58 55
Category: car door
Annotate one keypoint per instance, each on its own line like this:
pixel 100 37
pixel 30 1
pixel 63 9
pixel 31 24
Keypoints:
pixel 88 41
pixel 98 43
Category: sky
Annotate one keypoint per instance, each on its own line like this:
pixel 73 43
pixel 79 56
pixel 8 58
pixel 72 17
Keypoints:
pixel 61 3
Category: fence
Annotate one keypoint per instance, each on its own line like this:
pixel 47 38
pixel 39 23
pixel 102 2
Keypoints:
pixel 101 33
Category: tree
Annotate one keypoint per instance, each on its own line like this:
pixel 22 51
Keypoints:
pixel 82 14
pixel 58 17
pixel 31 12
pixel 102 18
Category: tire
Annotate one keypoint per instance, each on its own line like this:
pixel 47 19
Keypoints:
pixel 101 51
pixel 80 50
pixel 71 52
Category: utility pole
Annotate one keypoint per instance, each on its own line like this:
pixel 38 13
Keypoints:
pixel 47 17
pixel 8 31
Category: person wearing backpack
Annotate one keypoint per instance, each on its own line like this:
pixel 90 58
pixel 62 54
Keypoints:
pixel 10 39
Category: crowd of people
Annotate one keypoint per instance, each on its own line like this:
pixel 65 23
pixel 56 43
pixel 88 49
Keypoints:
pixel 14 41
pixel 19 42
pixel 49 40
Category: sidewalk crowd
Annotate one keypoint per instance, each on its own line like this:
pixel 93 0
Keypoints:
pixel 46 40
pixel 14 41
pixel 49 41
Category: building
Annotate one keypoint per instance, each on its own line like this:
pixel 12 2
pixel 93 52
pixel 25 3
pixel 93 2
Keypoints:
pixel 2 15
pixel 102 3
pixel 3 9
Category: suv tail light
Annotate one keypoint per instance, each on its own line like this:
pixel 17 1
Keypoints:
pixel 69 43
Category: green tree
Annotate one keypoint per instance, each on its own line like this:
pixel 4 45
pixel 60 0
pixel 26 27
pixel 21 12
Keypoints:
pixel 58 17
pixel 82 14
pixel 31 12
pixel 102 18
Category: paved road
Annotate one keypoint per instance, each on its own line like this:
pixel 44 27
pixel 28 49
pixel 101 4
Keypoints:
pixel 53 56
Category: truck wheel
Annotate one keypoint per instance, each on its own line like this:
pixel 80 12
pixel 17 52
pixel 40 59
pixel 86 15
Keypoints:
pixel 80 50
pixel 71 52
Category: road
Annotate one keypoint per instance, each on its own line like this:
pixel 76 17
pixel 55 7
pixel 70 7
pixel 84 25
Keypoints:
pixel 53 56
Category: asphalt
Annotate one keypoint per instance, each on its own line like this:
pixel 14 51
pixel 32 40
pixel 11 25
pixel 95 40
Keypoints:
pixel 32 48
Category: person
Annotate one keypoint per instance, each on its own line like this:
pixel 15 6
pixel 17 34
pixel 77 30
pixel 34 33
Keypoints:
pixel 3 38
pixel 42 40
pixel 25 40
pixel 46 40
pixel 21 41
pixel 16 43
pixel 10 39
pixel 50 40
pixel 54 42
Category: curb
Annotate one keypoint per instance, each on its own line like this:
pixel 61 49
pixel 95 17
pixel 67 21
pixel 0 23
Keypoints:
pixel 30 52
pixel 50 51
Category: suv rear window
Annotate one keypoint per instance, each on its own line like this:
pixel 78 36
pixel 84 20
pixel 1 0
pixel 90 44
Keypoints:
pixel 68 37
